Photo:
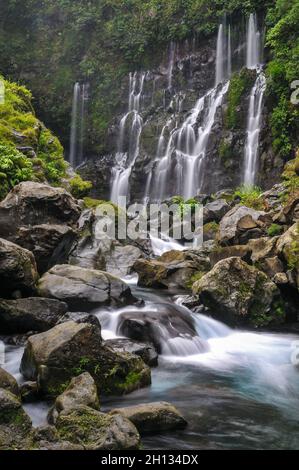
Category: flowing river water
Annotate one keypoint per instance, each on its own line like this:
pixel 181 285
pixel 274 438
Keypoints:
pixel 237 389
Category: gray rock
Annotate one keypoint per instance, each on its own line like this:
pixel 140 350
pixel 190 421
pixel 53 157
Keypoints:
pixel 31 203
pixel 67 350
pixel 83 288
pixel 30 314
pixel 153 418
pixel 97 431
pixel 145 350
pixel 18 273
pixel 8 382
pixel 241 224
pixel 15 424
pixel 214 211
pixel 82 390
pixel 80 317
pixel 237 293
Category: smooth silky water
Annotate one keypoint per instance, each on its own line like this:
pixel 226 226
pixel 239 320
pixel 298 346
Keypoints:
pixel 242 392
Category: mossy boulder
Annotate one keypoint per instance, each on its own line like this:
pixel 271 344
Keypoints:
pixel 70 349
pixel 288 249
pixel 239 294
pixel 172 269
pixel 82 390
pixel 18 271
pixel 8 382
pixel 15 424
pixel 97 431
pixel 153 418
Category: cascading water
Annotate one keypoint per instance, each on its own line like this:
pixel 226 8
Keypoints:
pixel 180 160
pixel 256 102
pixel 253 43
pixel 80 97
pixel 253 129
pixel 127 152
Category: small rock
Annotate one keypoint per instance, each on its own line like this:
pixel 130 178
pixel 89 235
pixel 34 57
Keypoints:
pixel 8 382
pixel 153 418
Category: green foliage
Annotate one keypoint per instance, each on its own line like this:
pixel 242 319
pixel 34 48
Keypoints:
pixel 240 84
pixel 14 168
pixel 250 196
pixel 274 230
pixel 44 156
pixel 283 40
pixel 79 187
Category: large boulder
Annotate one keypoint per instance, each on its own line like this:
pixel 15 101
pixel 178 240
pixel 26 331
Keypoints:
pixel 238 294
pixel 153 418
pixel 83 288
pixel 145 350
pixel 30 314
pixel 50 244
pixel 82 390
pixel 15 424
pixel 241 224
pixel 18 273
pixel 172 269
pixel 31 203
pixel 288 250
pixel 97 431
pixel 67 350
pixel 8 382
pixel 214 211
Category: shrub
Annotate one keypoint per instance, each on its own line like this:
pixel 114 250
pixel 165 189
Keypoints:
pixel 79 187
pixel 250 196
pixel 14 168
pixel 274 230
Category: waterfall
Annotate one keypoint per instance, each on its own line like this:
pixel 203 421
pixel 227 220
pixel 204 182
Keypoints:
pixel 220 54
pixel 223 54
pixel 127 152
pixel 171 62
pixel 255 103
pixel 182 162
pixel 253 43
pixel 253 128
pixel 80 97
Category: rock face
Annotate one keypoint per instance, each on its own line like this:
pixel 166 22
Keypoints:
pixel 50 244
pixel 8 382
pixel 18 271
pixel 145 350
pixel 41 219
pixel 172 269
pixel 30 204
pixel 97 431
pixel 214 211
pixel 67 350
pixel 31 314
pixel 241 224
pixel 82 390
pixel 15 424
pixel 288 249
pixel 153 418
pixel 238 294
pixel 83 288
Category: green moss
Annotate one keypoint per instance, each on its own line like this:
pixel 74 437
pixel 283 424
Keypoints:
pixel 250 196
pixel 274 230
pixel 194 278
pixel 79 187
pixel 240 84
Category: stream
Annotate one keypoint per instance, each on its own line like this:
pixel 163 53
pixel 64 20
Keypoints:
pixel 241 393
